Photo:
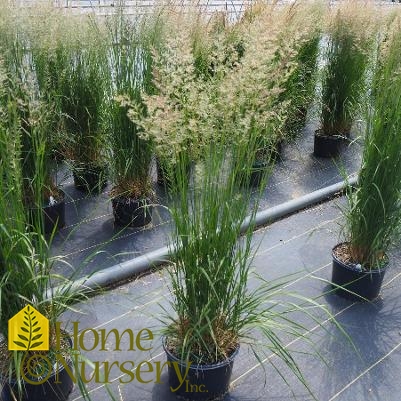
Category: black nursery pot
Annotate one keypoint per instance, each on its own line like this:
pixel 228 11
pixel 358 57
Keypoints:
pixel 327 145
pixel 57 387
pixel 131 212
pixel 53 389
pixel 254 177
pixel 90 178
pixel 203 382
pixel 257 173
pixel 54 215
pixel 362 283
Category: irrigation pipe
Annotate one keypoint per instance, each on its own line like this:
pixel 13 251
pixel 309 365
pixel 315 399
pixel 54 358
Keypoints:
pixel 130 268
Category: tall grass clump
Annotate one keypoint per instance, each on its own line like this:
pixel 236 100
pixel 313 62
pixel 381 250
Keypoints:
pixel 211 46
pixel 49 33
pixel 374 214
pixel 256 102
pixel 300 88
pixel 24 112
pixel 213 308
pixel 82 93
pixel 182 110
pixel 133 41
pixel 25 260
pixel 29 119
pixel 351 33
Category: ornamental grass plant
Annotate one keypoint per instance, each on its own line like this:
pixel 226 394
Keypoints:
pixel 178 106
pixel 29 119
pixel 82 93
pixel 300 88
pixel 67 55
pixel 302 85
pixel 373 215
pixel 133 40
pixel 25 260
pixel 213 306
pixel 351 32
pixel 249 104
pixel 49 37
pixel 24 112
pixel 210 48
pixel 256 97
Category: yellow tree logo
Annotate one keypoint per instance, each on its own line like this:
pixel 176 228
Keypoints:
pixel 28 330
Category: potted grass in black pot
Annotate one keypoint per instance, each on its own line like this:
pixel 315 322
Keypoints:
pixel 48 55
pixel 179 136
pixel 301 86
pixel 213 310
pixel 373 215
pixel 27 374
pixel 37 162
pixel 82 94
pixel 304 31
pixel 49 58
pixel 264 89
pixel 347 52
pixel 130 154
pixel 25 113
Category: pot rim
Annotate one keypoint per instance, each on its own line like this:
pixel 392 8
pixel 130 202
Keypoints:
pixel 62 194
pixel 379 270
pixel 89 167
pixel 146 200
pixel 319 133
pixel 260 164
pixel 216 365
